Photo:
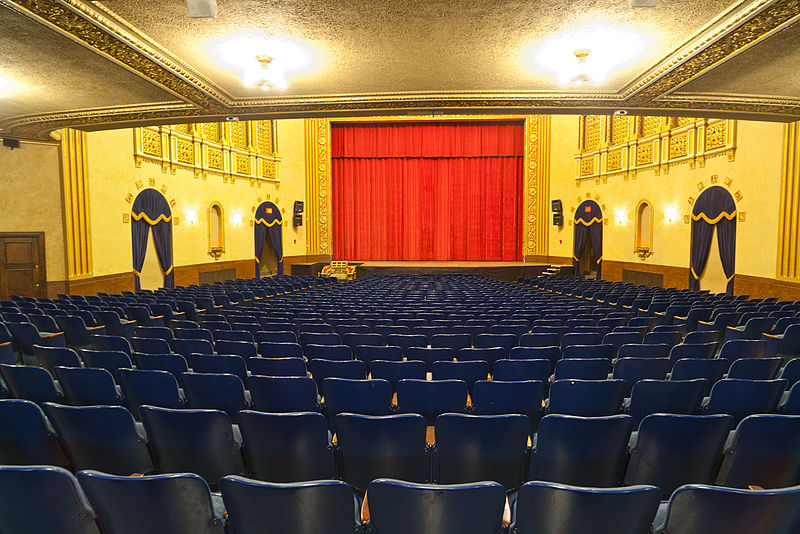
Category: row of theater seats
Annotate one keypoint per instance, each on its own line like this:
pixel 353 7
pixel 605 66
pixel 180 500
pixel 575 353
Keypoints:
pixel 580 386
pixel 665 450
pixel 95 502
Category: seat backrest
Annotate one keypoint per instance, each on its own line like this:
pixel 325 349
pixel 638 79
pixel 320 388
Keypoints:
pixel 245 349
pixel 215 391
pixel 741 398
pixel 453 341
pixel 359 396
pixel 185 347
pixel 394 371
pixel 538 339
pixel 631 370
pixel 582 369
pixel 50 357
pixel 431 398
pixel 692 350
pixel 150 345
pixel 487 354
pixel 373 447
pixel 156 503
pixel 580 338
pixel 551 508
pixel 277 366
pixel 589 351
pixel 286 447
pixel 218 363
pixel 698 508
pixel 673 450
pixel 551 353
pixel 764 452
pixel 469 371
pixel 529 369
pixel 43 499
pixel 742 348
pixel 398 507
pixel 644 350
pixel 692 368
pixel 273 507
pixel 26 437
pixel 103 342
pixel 467 448
pixel 280 350
pixel 701 337
pixel 87 386
pixel 755 368
pixel 193 441
pixel 665 396
pixel 31 383
pixel 100 437
pixel 149 387
pixel 429 355
pixel 371 353
pixel 583 451
pixel 110 360
pixel 283 393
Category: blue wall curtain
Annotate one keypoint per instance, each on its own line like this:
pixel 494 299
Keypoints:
pixel 268 220
pixel 588 223
pixel 715 208
pixel 151 210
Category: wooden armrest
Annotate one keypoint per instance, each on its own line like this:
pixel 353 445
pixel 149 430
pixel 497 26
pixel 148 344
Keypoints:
pixel 430 435
pixel 157 317
pixel 641 309
pixel 6 344
pixel 125 323
pixel 754 487
pixel 506 514
pixel 201 311
pixel 364 510
pixel 735 328
pixel 627 307
pixel 705 323
pixel 681 317
pixel 662 314
pixel 54 334
pixel 772 336
pixel 95 328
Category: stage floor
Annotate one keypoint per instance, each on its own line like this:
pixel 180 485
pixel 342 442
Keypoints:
pixel 501 270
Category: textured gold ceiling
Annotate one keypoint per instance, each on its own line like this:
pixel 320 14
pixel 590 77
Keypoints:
pixel 122 62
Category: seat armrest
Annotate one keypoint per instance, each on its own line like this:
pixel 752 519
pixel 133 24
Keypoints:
pixel 126 323
pixel 506 514
pixel 52 335
pixel 772 336
pixel 6 344
pixel 157 317
pixel 681 317
pixel 661 314
pixel 365 509
pixel 735 328
pixel 95 328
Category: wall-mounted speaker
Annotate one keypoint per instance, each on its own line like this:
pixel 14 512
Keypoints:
pixel 556 206
pixel 298 207
pixel 558 219
pixel 297 220
pixel 10 143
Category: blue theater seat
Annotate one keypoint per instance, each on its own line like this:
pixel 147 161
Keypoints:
pixel 373 447
pixel 245 349
pixel 631 370
pixel 175 503
pixel 583 451
pixel 280 350
pixel 487 354
pixel 452 341
pixel 695 508
pixel 587 398
pixel 277 366
pixel 329 352
pixel 218 363
pixel 496 398
pixel 26 437
pixel 39 500
pixel 149 387
pixel 692 350
pixel 31 383
pixel 276 336
pixel 394 371
pixel 297 508
pixel 589 351
pixel 514 370
pixel 172 363
pixel 669 450
pixel 764 452
pixel 469 371
pixel 741 398
pixel 581 368
pixel 366 397
pixel 431 398
pixel 51 357
pixel 185 347
pixel 398 507
pixel 87 386
pixel 322 369
pixel 110 360
pixel 551 508
pixel 371 353
pixel 429 355
pixel 193 441
pixel 755 368
pixel 550 353
pixel 539 339
pixel 287 447
pixel 468 449
pixel 280 394
pixel 644 350
pixel 100 437
pixel 100 342
pixel 215 391
pixel 665 396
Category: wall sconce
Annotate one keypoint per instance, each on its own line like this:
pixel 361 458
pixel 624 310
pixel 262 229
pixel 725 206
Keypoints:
pixel 191 216
pixel 670 215
pixel 621 217
pixel 236 219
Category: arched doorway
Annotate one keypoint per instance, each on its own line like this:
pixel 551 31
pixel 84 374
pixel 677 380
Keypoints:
pixel 587 253
pixel 715 209
pixel 268 222
pixel 151 211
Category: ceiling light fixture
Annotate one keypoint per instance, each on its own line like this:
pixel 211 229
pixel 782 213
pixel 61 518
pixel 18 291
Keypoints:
pixel 265 75
pixel 582 71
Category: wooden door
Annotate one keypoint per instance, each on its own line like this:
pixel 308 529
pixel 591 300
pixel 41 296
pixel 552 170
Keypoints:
pixel 22 270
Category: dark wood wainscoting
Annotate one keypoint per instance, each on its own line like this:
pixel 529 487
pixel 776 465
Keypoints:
pixel 677 277
pixel 288 261
pixel 109 283
pixel 758 287
pixel 218 271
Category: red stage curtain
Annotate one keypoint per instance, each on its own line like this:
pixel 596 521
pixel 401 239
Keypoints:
pixel 447 191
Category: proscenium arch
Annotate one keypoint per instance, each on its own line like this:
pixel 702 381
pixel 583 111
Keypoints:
pixel 715 209
pixel 588 224
pixel 151 210
pixel 268 220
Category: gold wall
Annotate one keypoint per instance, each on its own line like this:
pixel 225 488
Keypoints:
pixel 748 165
pixel 30 199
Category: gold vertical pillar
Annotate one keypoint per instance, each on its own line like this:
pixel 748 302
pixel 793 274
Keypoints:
pixel 789 218
pixel 76 204
pixel 536 183
pixel 318 186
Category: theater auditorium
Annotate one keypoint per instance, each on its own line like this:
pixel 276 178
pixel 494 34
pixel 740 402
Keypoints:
pixel 407 267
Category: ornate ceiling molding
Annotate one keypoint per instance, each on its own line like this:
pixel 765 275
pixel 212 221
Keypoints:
pixel 99 29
